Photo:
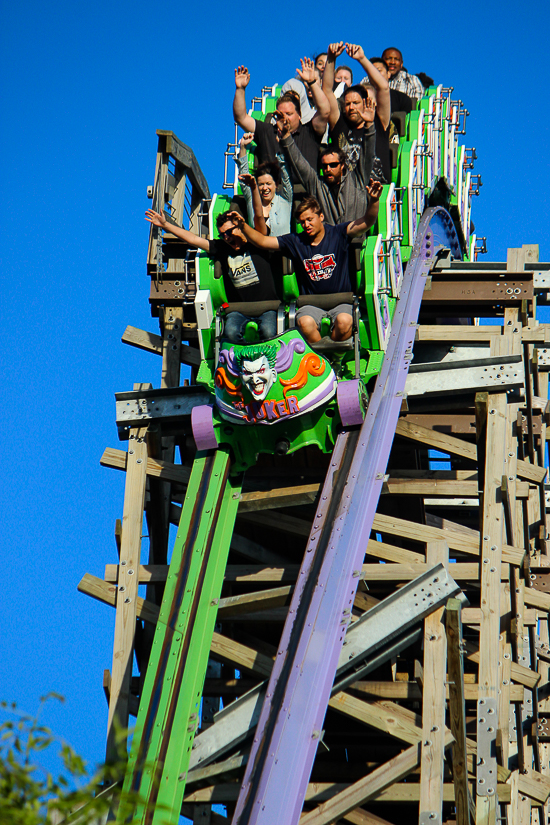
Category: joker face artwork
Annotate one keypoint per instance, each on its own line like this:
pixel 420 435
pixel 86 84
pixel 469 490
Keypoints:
pixel 258 376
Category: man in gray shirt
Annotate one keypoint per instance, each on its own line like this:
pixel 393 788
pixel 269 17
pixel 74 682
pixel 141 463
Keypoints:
pixel 343 195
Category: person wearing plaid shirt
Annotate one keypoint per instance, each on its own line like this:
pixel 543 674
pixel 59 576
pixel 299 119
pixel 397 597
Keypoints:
pixel 400 79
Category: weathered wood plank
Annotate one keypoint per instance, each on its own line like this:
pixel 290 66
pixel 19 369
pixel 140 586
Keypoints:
pixel 466 541
pixel 388 717
pixel 127 588
pixel 410 691
pixel 118 460
pixel 238 654
pixel 106 593
pixel 494 407
pixel 433 702
pixel 397 792
pixel 150 342
pixel 457 710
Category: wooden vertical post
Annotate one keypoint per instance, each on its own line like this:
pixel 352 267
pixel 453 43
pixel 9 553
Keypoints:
pixel 433 704
pixel 457 710
pixel 492 536
pixel 127 586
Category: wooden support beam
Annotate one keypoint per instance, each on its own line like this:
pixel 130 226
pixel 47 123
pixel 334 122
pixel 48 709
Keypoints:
pixel 172 321
pixel 127 589
pixel 491 559
pixel 165 470
pixel 228 650
pixel 456 446
pixel 338 795
pixel 388 717
pixel 466 541
pixel 106 593
pixel 150 342
pixel 457 712
pixel 411 692
pixel 433 703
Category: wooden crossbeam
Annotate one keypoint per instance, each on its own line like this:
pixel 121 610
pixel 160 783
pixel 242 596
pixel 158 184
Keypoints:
pixel 466 541
pixel 150 342
pixel 394 791
pixel 118 460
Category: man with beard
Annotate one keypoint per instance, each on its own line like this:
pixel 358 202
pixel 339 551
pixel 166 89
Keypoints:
pixel 342 194
pixel 347 126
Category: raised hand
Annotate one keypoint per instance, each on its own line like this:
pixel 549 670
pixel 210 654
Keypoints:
pixel 374 189
pixel 283 125
pixel 237 219
pixel 248 180
pixel 368 112
pixel 308 72
pixel 336 49
pixel 246 139
pixel 355 51
pixel 156 218
pixel 242 77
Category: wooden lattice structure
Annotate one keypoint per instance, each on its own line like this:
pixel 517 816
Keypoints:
pixel 453 724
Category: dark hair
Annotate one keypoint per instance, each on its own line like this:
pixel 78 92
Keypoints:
pixel 222 218
pixel 333 150
pixel 358 89
pixel 425 79
pixel 309 202
pixel 393 49
pixel 290 97
pixel 347 68
pixel 317 56
pixel 379 60
pixel 269 167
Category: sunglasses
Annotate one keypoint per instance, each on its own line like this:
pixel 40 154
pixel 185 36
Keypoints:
pixel 330 165
pixel 227 234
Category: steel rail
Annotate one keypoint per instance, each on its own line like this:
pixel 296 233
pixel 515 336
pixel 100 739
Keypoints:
pixel 169 707
pixel 290 724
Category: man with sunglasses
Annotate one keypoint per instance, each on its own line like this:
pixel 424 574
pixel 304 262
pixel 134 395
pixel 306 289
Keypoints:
pixel 246 269
pixel 342 193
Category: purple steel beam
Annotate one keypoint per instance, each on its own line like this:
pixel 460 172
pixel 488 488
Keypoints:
pixel 290 724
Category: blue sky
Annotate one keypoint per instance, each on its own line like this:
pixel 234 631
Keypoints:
pixel 84 90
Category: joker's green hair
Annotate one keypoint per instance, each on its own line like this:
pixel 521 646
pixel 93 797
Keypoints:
pixel 255 351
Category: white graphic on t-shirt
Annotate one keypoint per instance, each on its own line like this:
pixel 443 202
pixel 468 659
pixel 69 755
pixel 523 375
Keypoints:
pixel 320 267
pixel 242 271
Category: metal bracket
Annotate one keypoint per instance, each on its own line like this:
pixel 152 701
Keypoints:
pixel 486 772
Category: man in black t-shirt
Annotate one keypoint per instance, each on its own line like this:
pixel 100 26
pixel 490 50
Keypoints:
pixel 347 126
pixel 320 253
pixel 246 272
pixel 307 136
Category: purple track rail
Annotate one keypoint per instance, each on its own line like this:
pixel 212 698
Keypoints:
pixel 290 724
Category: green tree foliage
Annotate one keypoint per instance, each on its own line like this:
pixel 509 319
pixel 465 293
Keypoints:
pixel 31 795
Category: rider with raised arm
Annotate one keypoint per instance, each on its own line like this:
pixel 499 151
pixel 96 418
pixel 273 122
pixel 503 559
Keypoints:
pixel 268 192
pixel 307 136
pixel 247 274
pixel 320 253
pixel 347 127
pixel 341 193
